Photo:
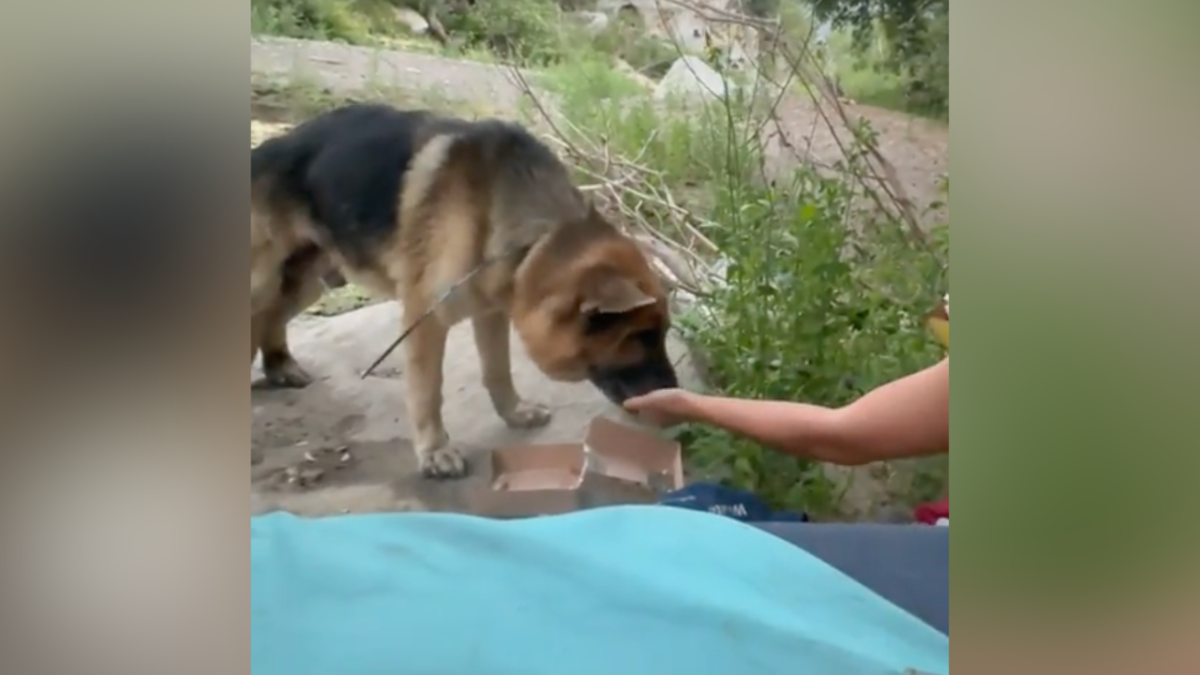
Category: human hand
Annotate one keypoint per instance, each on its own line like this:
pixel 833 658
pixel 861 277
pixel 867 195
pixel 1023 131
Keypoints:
pixel 663 408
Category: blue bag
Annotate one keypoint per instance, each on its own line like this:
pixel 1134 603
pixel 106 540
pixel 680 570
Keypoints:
pixel 746 507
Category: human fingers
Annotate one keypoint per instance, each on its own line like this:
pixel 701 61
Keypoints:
pixel 655 400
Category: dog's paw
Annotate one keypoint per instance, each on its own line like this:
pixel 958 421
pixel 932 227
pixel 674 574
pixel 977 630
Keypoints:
pixel 442 463
pixel 528 416
pixel 286 374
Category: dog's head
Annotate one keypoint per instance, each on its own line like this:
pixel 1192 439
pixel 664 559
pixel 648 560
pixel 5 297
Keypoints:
pixel 601 316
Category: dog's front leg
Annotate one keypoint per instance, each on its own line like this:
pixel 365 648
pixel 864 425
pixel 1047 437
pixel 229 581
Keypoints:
pixel 495 360
pixel 426 352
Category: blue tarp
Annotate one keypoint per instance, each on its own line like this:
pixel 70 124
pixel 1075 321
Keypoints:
pixel 635 590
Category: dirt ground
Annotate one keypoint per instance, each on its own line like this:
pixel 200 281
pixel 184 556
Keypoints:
pixel 349 436
pixel 355 431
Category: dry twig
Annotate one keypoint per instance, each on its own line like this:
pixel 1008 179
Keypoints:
pixel 629 191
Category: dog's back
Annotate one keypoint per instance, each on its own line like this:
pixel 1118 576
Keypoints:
pixel 342 169
pixel 353 170
pixel 296 150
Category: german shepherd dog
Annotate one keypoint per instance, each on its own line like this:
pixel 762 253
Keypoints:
pixel 408 204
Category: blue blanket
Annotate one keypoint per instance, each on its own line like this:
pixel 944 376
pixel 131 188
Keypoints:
pixel 635 590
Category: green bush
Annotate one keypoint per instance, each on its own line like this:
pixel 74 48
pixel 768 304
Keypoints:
pixel 928 70
pixel 894 59
pixel 333 20
pixel 800 318
pixel 535 33
pixel 524 31
pixel 628 41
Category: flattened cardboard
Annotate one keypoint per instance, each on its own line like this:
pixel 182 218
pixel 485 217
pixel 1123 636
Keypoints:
pixel 614 465
pixel 526 468
pixel 624 453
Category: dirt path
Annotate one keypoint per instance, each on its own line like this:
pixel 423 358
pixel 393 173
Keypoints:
pixel 918 149
pixel 347 69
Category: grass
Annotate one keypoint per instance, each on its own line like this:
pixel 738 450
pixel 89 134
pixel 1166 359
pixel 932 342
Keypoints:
pixel 532 32
pixel 340 21
pixel 331 20
pixel 864 78
pixel 797 320
pixel 872 87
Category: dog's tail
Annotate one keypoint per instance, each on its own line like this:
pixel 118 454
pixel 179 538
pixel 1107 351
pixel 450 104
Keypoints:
pixel 277 167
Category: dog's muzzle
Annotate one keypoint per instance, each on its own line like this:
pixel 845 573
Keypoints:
pixel 621 384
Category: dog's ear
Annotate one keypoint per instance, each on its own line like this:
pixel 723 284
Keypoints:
pixel 607 291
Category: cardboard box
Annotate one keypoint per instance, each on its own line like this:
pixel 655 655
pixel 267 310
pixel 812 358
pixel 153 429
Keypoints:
pixel 615 464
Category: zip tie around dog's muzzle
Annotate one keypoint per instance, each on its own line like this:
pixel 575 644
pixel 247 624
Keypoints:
pixel 434 307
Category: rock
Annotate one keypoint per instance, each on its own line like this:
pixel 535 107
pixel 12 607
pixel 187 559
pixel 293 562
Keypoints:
pixel 415 22
pixel 593 23
pixel 691 78
pixel 632 73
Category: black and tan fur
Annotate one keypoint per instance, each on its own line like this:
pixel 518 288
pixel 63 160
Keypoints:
pixel 407 204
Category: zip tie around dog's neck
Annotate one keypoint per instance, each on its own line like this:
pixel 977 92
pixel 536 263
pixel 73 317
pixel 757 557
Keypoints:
pixel 434 307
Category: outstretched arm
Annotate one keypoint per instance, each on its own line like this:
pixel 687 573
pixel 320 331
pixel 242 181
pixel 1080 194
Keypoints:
pixel 908 417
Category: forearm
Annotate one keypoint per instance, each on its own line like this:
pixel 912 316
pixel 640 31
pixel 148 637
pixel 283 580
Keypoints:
pixel 906 418
pixel 909 417
pixel 807 431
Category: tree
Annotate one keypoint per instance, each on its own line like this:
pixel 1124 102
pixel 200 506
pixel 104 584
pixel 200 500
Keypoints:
pixel 918 36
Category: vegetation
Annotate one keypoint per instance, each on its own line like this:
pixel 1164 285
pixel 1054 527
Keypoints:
pixel 334 20
pixel 890 53
pixel 903 46
pixel 822 292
